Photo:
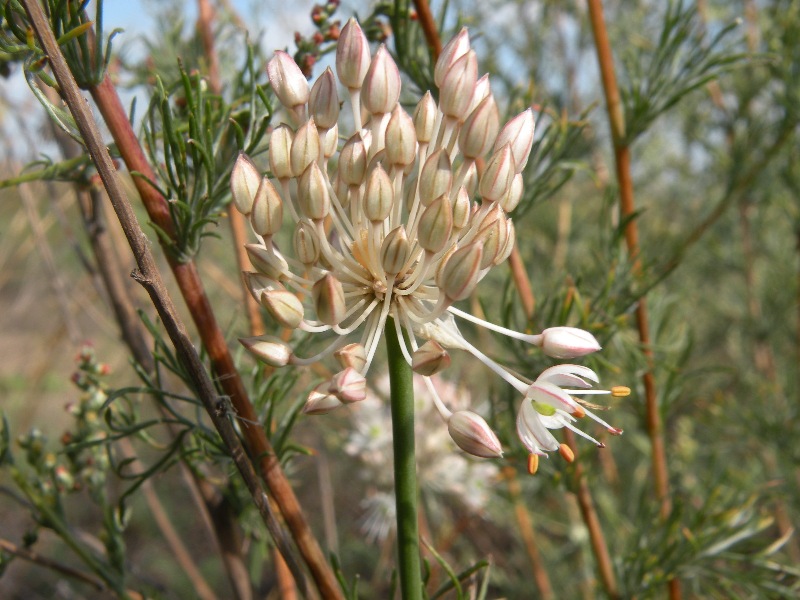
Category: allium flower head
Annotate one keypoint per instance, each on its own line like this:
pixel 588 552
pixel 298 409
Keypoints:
pixel 392 226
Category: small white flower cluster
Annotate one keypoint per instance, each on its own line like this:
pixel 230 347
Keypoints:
pixel 386 232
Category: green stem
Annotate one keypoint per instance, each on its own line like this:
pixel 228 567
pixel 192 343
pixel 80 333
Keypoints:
pixel 405 467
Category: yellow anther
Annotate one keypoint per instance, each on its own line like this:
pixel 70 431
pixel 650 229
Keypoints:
pixel 533 463
pixel 566 453
pixel 620 391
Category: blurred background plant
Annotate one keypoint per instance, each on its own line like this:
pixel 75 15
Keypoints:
pixel 697 132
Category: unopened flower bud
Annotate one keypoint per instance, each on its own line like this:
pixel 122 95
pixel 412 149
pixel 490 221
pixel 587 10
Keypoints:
pixel 323 102
pixel 460 273
pixel 480 129
pixel 381 88
pixel 257 284
pixel 429 359
pixel 349 386
pixel 352 355
pixel 568 342
pixel 245 180
pixel 458 86
pixel 436 177
pixel 287 80
pixel 352 55
pixel 267 215
pixel 519 133
pixel 494 239
pixel 435 225
pixel 498 176
pixel 511 238
pixel 483 89
pixel 511 198
pixel 268 349
pixel 379 195
pixel 330 141
pixel 401 139
pixel 267 261
pixel 461 209
pixel 328 297
pixel 306 243
pixel 306 147
pixel 320 401
pixel 312 193
pixel 284 307
pixel 452 51
pixel 473 435
pixel 353 161
pixel 280 151
pixel 425 118
pixel 395 250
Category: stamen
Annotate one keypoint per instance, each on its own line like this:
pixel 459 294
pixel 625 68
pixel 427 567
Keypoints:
pixel 566 453
pixel 533 463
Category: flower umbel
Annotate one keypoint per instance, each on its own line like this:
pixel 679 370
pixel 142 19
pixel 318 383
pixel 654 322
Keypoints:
pixel 386 231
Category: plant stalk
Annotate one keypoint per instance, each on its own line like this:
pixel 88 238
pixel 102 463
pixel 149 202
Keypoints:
pixel 405 467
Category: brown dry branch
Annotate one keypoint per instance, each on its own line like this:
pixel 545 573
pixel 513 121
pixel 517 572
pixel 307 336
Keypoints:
pixel 428 24
pixel 149 276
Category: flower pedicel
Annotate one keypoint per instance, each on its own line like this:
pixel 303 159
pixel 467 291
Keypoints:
pixel 386 233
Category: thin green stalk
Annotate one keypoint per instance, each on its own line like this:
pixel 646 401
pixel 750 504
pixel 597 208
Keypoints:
pixel 405 467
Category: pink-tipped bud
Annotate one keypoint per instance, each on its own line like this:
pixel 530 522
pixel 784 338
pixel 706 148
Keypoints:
pixel 480 129
pixel 429 359
pixel 284 307
pixel 458 86
pixel 323 102
pixel 306 147
pixel 568 342
pixel 461 272
pixel 462 209
pixel 425 118
pixel 435 225
pixel 280 152
pixel 473 435
pixel 320 401
pixel 258 283
pixel 267 215
pixel 452 51
pixel 379 195
pixel 436 177
pixel 483 89
pixel 287 80
pixel 268 349
pixel 353 161
pixel 306 243
pixel 395 250
pixel 519 133
pixel 352 355
pixel 329 302
pixel 493 237
pixel 401 139
pixel 511 198
pixel 349 386
pixel 245 180
pixel 381 89
pixel 498 176
pixel 312 193
pixel 267 261
pixel 352 55
pixel 511 238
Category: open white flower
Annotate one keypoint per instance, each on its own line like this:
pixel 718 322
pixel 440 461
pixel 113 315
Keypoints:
pixel 385 226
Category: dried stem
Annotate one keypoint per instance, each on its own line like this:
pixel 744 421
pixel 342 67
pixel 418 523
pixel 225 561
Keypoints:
pixel 428 24
pixel 148 274
pixel 616 119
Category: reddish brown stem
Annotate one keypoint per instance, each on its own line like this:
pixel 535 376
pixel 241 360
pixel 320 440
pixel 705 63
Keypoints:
pixel 428 24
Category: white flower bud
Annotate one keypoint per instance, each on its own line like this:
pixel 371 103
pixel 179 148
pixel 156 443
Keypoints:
pixel 567 342
pixel 352 55
pixel 287 80
pixel 430 358
pixel 379 195
pixel 473 435
pixel 459 276
pixel 312 193
pixel 458 86
pixel 483 89
pixel 519 133
pixel 395 250
pixel 267 215
pixel 306 147
pixel 352 355
pixel 381 88
pixel 511 238
pixel 348 386
pixel 425 118
pixel 284 307
pixel 498 176
pixel 306 243
pixel 401 138
pixel 462 209
pixel 268 349
pixel 323 102
pixel 452 51
pixel 435 225
pixel 328 297
pixel 320 401
pixel 280 151
pixel 266 261
pixel 245 180
pixel 480 129
pixel 436 177
pixel 330 141
pixel 258 283
pixel 353 161
pixel 511 198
